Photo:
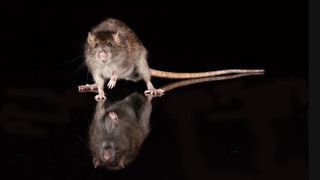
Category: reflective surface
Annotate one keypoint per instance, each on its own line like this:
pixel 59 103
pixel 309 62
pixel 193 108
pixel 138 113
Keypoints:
pixel 251 127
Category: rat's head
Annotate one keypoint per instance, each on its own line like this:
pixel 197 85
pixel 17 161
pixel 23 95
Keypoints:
pixel 111 156
pixel 104 46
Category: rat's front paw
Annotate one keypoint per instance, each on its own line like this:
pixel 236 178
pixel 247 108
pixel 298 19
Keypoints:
pixel 111 83
pixel 154 92
pixel 113 115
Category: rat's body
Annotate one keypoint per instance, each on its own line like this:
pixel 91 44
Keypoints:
pixel 118 130
pixel 113 51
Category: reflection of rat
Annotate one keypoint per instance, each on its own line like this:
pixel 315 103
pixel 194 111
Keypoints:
pixel 113 51
pixel 118 131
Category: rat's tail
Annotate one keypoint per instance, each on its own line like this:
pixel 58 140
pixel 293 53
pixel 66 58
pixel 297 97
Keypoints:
pixel 190 75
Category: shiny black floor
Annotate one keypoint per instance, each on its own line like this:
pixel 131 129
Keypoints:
pixel 252 127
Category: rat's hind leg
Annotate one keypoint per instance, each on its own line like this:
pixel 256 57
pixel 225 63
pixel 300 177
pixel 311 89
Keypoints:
pixel 151 90
pixel 144 71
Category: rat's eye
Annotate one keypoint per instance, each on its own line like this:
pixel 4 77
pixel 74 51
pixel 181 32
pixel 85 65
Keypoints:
pixel 110 44
pixel 95 45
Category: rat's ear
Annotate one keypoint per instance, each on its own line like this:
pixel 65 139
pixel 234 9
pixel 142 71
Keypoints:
pixel 90 39
pixel 121 163
pixel 118 37
pixel 95 162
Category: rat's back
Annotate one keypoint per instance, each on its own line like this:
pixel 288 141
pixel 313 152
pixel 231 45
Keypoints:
pixel 112 25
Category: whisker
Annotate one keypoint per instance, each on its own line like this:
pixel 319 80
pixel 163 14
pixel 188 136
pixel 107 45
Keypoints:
pixel 78 70
pixel 87 77
pixel 82 140
pixel 73 59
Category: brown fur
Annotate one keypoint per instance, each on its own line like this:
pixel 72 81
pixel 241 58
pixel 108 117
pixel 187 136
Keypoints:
pixel 124 56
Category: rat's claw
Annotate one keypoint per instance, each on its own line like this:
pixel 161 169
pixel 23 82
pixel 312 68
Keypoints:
pixel 154 92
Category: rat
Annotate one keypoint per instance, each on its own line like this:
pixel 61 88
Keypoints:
pixel 113 51
pixel 118 130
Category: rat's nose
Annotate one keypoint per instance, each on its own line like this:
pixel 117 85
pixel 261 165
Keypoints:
pixel 102 55
pixel 106 155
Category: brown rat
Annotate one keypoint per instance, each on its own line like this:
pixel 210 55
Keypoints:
pixel 113 51
pixel 118 131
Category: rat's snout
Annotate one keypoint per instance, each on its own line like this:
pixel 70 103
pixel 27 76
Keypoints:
pixel 106 155
pixel 103 56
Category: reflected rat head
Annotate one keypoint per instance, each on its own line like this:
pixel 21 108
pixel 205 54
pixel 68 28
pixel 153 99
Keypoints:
pixel 114 148
pixel 103 46
pixel 112 156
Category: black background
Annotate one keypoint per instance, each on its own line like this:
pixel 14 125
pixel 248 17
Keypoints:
pixel 40 38
pixel 42 48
